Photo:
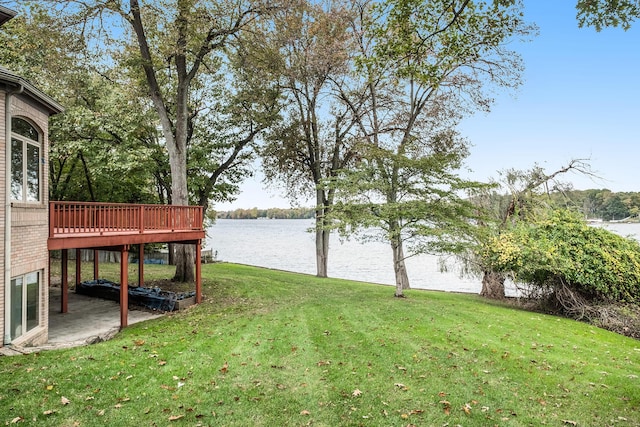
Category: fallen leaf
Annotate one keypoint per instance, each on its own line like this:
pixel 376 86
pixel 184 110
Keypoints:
pixel 305 412
pixel 16 420
pixel 49 387
pixel 356 393
pixel 49 412
pixel 467 409
pixel 573 423
pixel 446 406
pixel 139 342
pixel 100 412
pixel 162 362
pixel 64 400
pixel 175 417
pixel 224 368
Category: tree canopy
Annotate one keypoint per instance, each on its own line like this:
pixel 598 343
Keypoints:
pixel 607 13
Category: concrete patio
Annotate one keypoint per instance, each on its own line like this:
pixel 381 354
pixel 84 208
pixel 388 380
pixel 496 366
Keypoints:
pixel 88 320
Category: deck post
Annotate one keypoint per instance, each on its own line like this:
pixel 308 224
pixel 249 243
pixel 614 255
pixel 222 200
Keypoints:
pixel 198 271
pixel 64 286
pixel 96 258
pixel 124 286
pixel 141 264
pixel 78 267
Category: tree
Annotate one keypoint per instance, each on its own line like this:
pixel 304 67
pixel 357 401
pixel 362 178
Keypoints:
pixel 607 13
pixel 91 142
pixel 614 208
pixel 315 139
pixel 529 196
pixel 423 65
pixel 180 46
pixel 587 273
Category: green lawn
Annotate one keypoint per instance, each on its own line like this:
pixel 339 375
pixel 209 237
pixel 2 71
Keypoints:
pixel 269 348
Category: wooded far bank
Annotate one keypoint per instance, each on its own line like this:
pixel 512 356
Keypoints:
pixel 593 204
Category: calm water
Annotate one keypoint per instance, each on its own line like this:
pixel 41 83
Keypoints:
pixel 286 245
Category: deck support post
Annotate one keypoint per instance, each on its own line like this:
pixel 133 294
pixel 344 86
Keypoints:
pixel 78 267
pixel 198 271
pixel 124 286
pixel 141 264
pixel 64 284
pixel 96 260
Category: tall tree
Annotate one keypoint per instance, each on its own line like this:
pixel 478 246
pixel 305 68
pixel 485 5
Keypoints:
pixel 424 65
pixel 180 45
pixel 315 139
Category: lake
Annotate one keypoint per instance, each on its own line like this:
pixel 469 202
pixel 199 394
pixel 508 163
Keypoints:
pixel 285 244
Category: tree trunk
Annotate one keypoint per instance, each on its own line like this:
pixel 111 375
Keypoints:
pixel 322 237
pixel 493 285
pixel 399 267
pixel 175 131
pixel 185 261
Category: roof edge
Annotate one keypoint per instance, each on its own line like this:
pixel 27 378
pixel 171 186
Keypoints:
pixel 6 14
pixel 44 99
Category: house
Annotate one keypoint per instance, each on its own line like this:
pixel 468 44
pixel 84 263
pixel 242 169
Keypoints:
pixel 24 116
pixel 31 226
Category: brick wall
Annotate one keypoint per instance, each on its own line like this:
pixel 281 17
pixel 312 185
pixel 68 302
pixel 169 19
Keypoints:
pixel 29 225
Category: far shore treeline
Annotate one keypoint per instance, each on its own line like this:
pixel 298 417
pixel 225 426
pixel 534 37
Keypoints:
pixel 272 213
pixel 593 204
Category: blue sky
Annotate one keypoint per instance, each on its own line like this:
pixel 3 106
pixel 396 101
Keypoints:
pixel 580 99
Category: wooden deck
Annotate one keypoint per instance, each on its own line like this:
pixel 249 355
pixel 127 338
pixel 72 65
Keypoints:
pixel 75 225
pixel 116 227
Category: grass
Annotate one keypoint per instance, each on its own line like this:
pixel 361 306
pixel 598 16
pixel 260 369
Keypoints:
pixel 270 348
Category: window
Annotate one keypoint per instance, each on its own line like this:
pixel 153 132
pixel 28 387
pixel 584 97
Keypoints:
pixel 25 303
pixel 25 161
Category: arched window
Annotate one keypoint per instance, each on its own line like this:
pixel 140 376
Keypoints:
pixel 26 146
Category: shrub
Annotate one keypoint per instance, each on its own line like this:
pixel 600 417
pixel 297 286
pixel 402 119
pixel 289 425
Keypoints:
pixel 562 253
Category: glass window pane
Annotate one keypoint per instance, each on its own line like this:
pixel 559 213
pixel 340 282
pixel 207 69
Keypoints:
pixel 33 173
pixel 16 308
pixel 24 128
pixel 16 169
pixel 33 299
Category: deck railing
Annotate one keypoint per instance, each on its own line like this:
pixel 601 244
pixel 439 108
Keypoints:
pixel 84 217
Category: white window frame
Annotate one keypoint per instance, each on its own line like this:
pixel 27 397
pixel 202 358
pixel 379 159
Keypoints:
pixel 27 142
pixel 24 322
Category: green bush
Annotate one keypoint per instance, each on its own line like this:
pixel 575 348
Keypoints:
pixel 561 249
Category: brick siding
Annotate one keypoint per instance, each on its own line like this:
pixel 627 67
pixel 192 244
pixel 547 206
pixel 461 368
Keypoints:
pixel 29 223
